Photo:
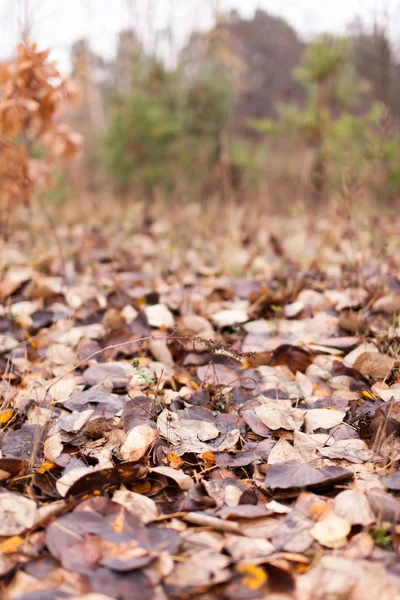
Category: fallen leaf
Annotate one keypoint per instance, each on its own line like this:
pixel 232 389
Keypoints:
pixel 138 442
pixel 291 474
pixel 353 450
pixel 392 481
pixel 184 481
pixel 278 415
pixel 323 418
pixel 384 506
pixel 138 504
pixel 283 451
pixel 353 506
pixel 159 315
pixel 296 358
pixel 374 364
pixel 230 317
pixel 332 531
pixel 201 569
pixel 334 576
pixel 19 513
pixel 106 372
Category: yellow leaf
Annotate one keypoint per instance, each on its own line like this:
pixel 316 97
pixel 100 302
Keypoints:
pixel 6 416
pixel 300 568
pixel 254 577
pixel 142 487
pixel 208 457
pixel 369 395
pixel 174 460
pixel 45 466
pixel 12 544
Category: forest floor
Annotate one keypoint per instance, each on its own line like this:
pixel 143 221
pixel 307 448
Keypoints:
pixel 185 414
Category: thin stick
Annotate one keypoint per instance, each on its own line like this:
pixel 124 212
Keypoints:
pixel 130 342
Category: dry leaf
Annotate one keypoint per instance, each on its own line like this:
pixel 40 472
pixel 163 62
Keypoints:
pixel 374 364
pixel 19 513
pixel 280 415
pixel 137 504
pixel 332 531
pixel 184 481
pixel 138 442
pixel 322 418
pixel 353 506
pixel 159 315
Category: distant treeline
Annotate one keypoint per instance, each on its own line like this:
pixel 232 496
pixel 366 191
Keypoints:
pixel 249 108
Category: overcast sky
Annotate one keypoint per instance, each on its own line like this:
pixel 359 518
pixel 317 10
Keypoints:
pixel 58 23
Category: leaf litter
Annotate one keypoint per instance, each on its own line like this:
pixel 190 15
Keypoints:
pixel 186 434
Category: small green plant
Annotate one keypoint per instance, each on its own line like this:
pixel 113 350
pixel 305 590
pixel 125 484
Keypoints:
pixel 382 537
pixel 221 402
pixel 143 375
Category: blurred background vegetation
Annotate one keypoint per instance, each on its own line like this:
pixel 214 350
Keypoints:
pixel 247 111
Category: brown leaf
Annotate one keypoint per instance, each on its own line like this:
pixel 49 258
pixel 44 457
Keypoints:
pixel 375 364
pixel 296 358
pixel 133 585
pixel 291 474
pixel 138 442
pixel 383 505
pixel 83 556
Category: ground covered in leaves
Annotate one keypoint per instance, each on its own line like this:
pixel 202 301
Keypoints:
pixel 212 420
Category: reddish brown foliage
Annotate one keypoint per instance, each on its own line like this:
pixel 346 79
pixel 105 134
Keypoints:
pixel 32 92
